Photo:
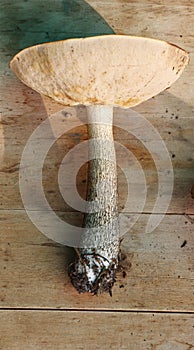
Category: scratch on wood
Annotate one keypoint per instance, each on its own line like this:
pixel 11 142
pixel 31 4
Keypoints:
pixel 11 169
pixel 191 220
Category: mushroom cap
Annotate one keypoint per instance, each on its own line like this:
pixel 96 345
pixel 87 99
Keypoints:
pixel 115 70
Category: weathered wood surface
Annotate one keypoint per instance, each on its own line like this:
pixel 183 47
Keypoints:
pixel 26 111
pixel 171 112
pixel 159 266
pixel 177 133
pixel 159 272
pixel 93 330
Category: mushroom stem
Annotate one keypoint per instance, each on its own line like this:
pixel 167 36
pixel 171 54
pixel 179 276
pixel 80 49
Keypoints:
pixel 98 259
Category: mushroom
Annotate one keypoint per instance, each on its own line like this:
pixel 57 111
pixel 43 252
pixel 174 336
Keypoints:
pixel 100 73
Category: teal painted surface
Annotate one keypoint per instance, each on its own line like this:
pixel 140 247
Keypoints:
pixel 25 23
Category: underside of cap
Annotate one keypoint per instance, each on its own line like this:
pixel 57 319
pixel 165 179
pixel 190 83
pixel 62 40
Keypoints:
pixel 115 70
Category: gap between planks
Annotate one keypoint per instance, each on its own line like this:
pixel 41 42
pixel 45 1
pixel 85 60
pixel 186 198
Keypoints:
pixel 133 311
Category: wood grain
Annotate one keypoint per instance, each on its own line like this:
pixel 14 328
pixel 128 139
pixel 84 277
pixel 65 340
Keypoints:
pixel 159 272
pixel 136 3
pixel 85 330
pixel 176 130
pixel 159 266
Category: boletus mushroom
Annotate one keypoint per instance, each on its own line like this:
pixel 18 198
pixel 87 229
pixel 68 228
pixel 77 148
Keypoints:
pixel 100 73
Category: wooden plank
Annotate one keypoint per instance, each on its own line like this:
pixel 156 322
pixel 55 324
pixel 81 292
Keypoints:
pixel 173 3
pixel 132 20
pixel 95 330
pixel 159 267
pixel 181 201
pixel 27 111
pixel 23 25
pixel 138 17
pixel 96 17
pixel 51 16
pixel 63 16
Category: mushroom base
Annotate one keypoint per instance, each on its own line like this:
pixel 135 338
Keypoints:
pixel 93 273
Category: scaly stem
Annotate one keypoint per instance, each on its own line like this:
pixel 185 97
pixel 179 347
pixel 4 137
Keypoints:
pixel 98 259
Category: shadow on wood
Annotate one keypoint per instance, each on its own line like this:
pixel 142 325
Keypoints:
pixel 23 24
pixel 26 23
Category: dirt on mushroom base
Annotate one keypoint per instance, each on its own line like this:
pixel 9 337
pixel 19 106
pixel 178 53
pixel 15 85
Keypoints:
pixel 106 278
pixel 103 282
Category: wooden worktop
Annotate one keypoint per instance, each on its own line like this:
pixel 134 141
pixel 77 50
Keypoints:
pixel 153 306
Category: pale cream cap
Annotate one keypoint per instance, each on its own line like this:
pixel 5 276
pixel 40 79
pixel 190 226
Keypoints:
pixel 113 70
